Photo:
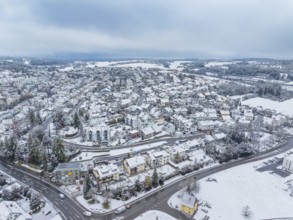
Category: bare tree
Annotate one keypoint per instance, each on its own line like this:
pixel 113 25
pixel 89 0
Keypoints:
pixel 246 211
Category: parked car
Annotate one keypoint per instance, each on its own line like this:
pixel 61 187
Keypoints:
pixel 61 196
pixel 88 214
pixel 128 206
pixel 120 209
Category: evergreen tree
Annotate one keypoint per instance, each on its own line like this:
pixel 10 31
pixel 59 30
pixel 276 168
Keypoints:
pixel 46 142
pixel 59 150
pixel 38 119
pixel 34 156
pixel 35 201
pixel 86 187
pixel 11 146
pixel 155 178
pixel 177 157
pixel 44 161
pixel 31 117
pixel 1 148
pixel 76 121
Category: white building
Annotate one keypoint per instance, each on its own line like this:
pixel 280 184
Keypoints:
pixel 206 125
pixel 248 115
pixel 157 158
pixel 107 172
pixel 100 133
pixel 134 121
pixel 288 163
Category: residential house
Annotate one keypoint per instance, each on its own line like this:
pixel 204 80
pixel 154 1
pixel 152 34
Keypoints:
pixel 157 158
pixel 179 149
pixel 147 132
pixel 199 116
pixel 225 114
pixel 100 133
pixel 189 204
pixel 133 133
pixel 134 121
pixel 134 165
pixel 206 125
pixel 248 115
pixel 107 172
pixel 67 173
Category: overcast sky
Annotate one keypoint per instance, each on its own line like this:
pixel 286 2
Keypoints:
pixel 146 28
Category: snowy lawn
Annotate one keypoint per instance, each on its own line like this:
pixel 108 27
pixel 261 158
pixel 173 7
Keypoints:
pixel 239 187
pixel 88 156
pixel 154 215
pixel 79 141
pixel 98 206
pixel 281 107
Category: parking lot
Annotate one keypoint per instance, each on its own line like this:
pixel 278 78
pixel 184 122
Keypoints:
pixel 271 166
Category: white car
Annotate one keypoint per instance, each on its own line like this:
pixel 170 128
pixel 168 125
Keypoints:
pixel 87 214
pixel 61 196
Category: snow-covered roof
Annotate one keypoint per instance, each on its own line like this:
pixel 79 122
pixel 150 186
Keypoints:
pixel 147 130
pixel 135 161
pixel 106 170
pixel 188 200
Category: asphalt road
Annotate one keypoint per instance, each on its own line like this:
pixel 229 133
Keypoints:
pixel 68 207
pixel 156 200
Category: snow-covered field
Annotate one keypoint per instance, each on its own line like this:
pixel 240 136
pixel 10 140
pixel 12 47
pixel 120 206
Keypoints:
pixel 129 63
pixel 178 64
pixel 68 68
pixel 154 215
pixel 218 63
pixel 243 186
pixel 280 107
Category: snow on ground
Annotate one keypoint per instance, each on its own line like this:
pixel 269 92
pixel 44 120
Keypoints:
pixel 31 168
pixel 88 156
pixel 281 107
pixel 154 215
pixel 178 64
pixel 218 63
pixel 98 207
pixel 289 130
pixel 24 204
pixel 239 187
pixel 68 68
pixel 114 204
pixel 141 64
pixel 79 141
pixel 137 148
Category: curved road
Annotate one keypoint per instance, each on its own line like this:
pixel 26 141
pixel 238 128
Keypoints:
pixel 155 200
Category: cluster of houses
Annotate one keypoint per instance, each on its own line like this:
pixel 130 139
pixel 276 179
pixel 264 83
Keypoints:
pixel 70 173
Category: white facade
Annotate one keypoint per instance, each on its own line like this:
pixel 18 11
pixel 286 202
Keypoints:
pixel 288 163
pixel 99 133
pixel 157 158
pixel 206 125
pixel 134 121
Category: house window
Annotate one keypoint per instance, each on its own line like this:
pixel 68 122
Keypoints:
pixel 90 135
pixel 98 134
pixel 106 135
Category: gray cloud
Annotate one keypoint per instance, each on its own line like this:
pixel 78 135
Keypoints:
pixel 167 28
